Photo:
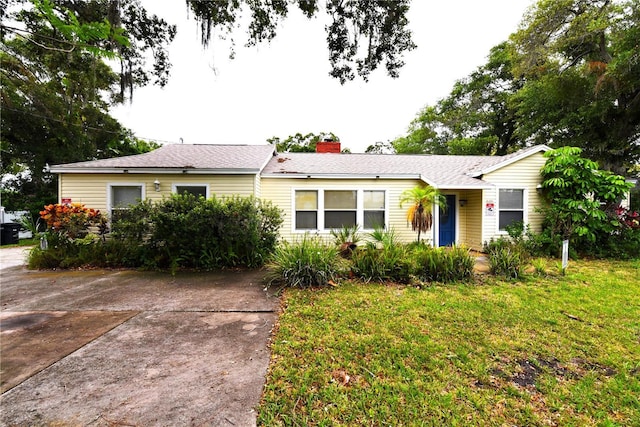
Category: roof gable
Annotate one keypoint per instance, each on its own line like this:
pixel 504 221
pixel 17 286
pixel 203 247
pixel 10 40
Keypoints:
pixel 502 161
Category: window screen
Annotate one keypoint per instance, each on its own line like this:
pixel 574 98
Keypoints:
pixel 511 207
pixel 306 210
pixel 125 195
pixel 340 208
pixel 373 209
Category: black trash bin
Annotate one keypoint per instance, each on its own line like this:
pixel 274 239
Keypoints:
pixel 9 233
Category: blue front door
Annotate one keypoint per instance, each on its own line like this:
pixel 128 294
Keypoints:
pixel 448 222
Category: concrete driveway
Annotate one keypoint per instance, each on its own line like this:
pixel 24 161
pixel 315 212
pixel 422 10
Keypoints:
pixel 106 348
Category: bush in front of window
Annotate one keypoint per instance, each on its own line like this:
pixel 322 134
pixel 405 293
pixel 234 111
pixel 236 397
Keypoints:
pixel 183 231
pixel 193 232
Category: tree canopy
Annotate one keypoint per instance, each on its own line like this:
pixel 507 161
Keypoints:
pixel 569 76
pixel 361 36
pixel 300 143
pixel 57 88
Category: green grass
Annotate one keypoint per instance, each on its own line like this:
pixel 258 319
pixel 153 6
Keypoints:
pixel 542 351
pixel 24 242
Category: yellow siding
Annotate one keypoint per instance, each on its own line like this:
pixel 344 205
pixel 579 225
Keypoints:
pixel 523 174
pixel 257 186
pixel 280 192
pixel 91 189
pixel 470 219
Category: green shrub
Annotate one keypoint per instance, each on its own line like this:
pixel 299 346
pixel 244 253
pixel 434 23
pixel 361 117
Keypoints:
pixel 182 231
pixel 303 264
pixel 507 261
pixel 444 265
pixel 383 258
pixel 185 231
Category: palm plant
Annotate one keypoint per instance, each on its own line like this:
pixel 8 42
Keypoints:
pixel 420 212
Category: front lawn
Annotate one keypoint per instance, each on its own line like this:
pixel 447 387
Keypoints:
pixel 543 351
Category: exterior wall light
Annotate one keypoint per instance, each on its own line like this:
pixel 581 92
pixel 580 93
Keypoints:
pixel 463 203
pixel 156 184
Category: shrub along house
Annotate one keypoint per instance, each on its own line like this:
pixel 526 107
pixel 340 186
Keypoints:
pixel 327 189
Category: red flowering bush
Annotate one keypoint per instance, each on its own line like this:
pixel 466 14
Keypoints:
pixel 628 218
pixel 72 220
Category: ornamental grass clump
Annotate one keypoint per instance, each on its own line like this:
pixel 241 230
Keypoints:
pixel 306 263
pixel 445 265
pixel 507 261
pixel 382 259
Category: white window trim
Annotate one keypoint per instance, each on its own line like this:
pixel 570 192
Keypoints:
pixel 110 185
pixel 525 207
pixel 320 211
pixel 361 209
pixel 175 185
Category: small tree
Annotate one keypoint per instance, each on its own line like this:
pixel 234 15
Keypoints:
pixel 420 212
pixel 582 198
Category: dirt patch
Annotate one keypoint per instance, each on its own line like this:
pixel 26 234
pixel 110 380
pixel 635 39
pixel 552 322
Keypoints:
pixel 526 372
pixel 584 366
pixel 32 341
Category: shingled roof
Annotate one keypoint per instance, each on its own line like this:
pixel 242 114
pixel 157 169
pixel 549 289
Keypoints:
pixel 437 170
pixel 180 157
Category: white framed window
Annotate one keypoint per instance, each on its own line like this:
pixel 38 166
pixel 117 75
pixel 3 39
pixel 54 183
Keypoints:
pixel 374 209
pixel 511 207
pixel 306 210
pixel 195 189
pixel 340 208
pixel 120 196
pixel 327 209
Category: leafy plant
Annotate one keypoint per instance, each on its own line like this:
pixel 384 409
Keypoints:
pixel 581 196
pixel 507 261
pixel 71 220
pixel 444 265
pixel 421 200
pixel 346 239
pixel 382 258
pixel 539 266
pixel 306 263
pixel 182 231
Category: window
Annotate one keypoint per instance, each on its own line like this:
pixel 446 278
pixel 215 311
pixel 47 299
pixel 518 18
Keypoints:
pixel 306 210
pixel 340 209
pixel 373 209
pixel 195 189
pixel 510 207
pixel 121 196
pixel 331 209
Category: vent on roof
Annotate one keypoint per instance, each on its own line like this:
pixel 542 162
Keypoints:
pixel 328 146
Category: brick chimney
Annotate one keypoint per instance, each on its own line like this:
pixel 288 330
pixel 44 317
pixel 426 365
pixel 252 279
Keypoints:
pixel 328 146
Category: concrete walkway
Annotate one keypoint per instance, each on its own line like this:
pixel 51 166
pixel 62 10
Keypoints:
pixel 106 348
pixel 13 256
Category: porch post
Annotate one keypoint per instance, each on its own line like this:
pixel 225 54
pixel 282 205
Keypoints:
pixel 435 209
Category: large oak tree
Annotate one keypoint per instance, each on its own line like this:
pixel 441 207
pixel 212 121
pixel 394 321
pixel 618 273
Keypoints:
pixel 569 76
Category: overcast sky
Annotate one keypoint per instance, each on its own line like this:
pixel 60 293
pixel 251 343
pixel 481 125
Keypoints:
pixel 282 88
